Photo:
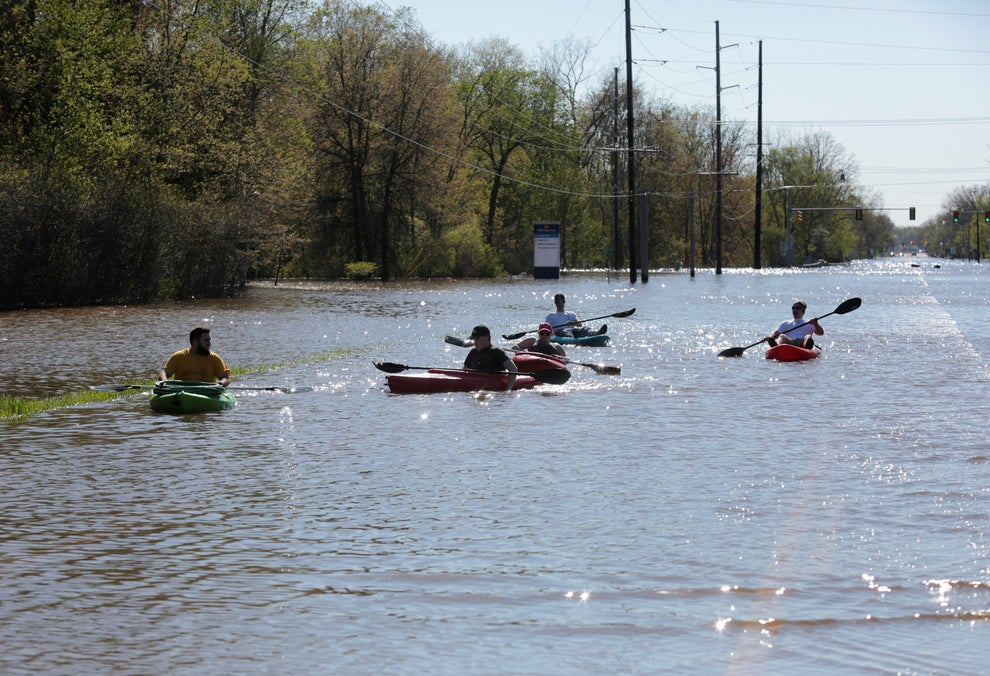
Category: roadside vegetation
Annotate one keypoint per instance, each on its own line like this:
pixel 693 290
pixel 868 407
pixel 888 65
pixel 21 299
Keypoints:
pixel 170 149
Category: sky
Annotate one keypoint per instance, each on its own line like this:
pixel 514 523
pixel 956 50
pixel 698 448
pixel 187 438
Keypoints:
pixel 903 86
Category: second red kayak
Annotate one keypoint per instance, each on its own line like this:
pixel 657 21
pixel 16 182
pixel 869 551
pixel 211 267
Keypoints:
pixel 459 380
pixel 792 353
pixel 528 362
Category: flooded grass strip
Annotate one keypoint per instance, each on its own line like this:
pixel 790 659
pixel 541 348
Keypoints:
pixel 21 406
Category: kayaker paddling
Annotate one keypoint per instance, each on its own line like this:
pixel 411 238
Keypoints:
pixel 484 357
pixel 797 330
pixel 543 345
pixel 567 323
pixel 197 362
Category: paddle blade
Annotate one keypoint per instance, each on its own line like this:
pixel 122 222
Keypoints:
pixel 626 313
pixel 552 376
pixel 459 342
pixel 606 370
pixel 389 367
pixel 118 388
pixel 514 336
pixel 848 306
pixel 732 352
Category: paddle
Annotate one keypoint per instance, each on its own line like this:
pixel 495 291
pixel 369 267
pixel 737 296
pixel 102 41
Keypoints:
pixel 551 376
pixel 598 368
pixel 121 388
pixel 624 313
pixel 844 307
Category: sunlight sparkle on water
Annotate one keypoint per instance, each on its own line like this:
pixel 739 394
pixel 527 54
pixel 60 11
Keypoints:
pixel 582 597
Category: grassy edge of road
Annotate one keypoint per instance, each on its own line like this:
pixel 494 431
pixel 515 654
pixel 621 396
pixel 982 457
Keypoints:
pixel 21 406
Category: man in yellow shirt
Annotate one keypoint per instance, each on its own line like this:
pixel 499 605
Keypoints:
pixel 197 362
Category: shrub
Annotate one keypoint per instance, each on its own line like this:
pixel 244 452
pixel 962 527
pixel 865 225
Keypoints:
pixel 360 270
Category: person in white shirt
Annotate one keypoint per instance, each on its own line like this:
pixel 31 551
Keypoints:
pixel 797 330
pixel 567 323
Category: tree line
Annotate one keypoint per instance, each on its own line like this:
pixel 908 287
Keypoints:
pixel 165 149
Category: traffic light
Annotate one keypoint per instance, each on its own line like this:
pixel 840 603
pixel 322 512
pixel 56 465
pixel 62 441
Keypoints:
pixel 986 216
pixel 859 214
pixel 799 216
pixel 911 214
pixel 955 215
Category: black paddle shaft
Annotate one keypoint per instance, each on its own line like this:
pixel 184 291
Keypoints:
pixel 597 368
pixel 624 313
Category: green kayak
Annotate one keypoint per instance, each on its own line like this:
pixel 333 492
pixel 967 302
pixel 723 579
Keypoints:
pixel 188 396
pixel 594 340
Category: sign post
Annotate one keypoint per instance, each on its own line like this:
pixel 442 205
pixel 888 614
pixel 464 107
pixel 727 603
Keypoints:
pixel 546 250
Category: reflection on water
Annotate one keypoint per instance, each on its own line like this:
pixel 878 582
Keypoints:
pixel 740 514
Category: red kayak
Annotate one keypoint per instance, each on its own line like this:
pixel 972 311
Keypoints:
pixel 792 353
pixel 459 380
pixel 454 380
pixel 528 362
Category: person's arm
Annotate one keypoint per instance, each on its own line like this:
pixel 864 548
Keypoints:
pixel 222 371
pixel 164 374
pixel 776 334
pixel 524 344
pixel 819 331
pixel 510 366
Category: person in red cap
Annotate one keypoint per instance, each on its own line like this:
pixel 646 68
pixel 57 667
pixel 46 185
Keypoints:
pixel 541 344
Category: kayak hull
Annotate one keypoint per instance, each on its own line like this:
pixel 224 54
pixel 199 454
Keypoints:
pixel 597 340
pixel 453 380
pixel 792 353
pixel 530 362
pixel 180 396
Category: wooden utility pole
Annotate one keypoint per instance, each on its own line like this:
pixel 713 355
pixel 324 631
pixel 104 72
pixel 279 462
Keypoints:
pixel 758 224
pixel 630 154
pixel 718 155
pixel 616 256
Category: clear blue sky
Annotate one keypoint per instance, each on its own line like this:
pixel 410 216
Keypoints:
pixel 903 86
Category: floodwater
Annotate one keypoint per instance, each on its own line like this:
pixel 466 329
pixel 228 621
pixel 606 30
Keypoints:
pixel 691 515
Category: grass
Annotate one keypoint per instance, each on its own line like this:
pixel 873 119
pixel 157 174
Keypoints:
pixel 19 407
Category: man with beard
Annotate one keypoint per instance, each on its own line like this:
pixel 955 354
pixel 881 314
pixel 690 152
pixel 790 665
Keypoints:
pixel 197 363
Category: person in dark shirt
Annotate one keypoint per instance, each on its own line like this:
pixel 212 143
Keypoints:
pixel 484 357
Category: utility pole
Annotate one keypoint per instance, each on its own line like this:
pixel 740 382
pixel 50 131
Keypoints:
pixel 718 152
pixel 758 225
pixel 616 257
pixel 630 144
pixel 718 156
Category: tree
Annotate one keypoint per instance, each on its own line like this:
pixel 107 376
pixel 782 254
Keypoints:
pixel 814 167
pixel 378 127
